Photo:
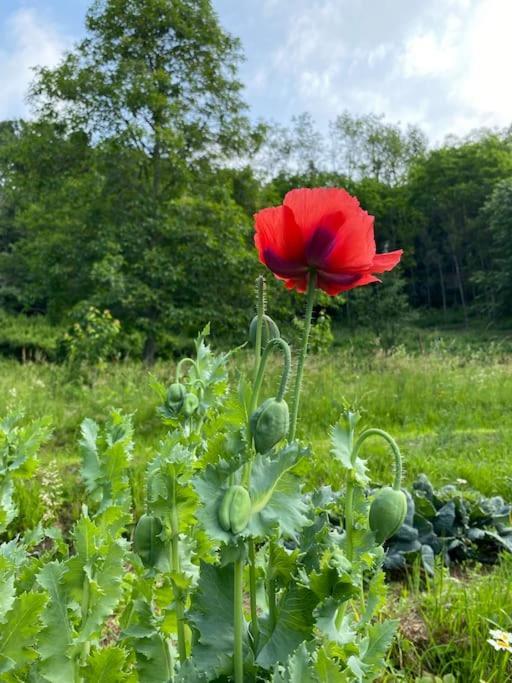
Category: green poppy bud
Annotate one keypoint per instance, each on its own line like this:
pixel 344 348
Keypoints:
pixel 146 540
pixel 175 395
pixel 387 513
pixel 269 424
pixel 190 404
pixel 269 330
pixel 235 509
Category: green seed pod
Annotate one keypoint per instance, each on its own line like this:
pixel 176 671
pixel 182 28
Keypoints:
pixel 146 540
pixel 190 404
pixel 175 395
pixel 269 330
pixel 269 424
pixel 387 513
pixel 235 509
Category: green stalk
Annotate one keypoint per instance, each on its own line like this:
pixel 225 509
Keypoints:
pixel 271 586
pixel 273 343
pixel 260 310
pixel 178 599
pixel 238 621
pixel 84 609
pixel 394 447
pixel 175 568
pixel 310 298
pixel 255 629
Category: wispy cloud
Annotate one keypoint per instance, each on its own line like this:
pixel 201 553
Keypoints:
pixel 27 41
pixel 442 64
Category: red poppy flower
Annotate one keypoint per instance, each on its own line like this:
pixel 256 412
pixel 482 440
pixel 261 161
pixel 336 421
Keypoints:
pixel 322 230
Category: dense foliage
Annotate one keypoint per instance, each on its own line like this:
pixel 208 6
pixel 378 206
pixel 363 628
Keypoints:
pixel 140 165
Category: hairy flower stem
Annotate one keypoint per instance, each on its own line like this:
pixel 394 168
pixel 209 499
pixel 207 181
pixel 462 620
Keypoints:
pixel 271 586
pixel 394 447
pixel 310 299
pixel 260 310
pixel 238 621
pixel 176 568
pixel 255 629
pixel 178 598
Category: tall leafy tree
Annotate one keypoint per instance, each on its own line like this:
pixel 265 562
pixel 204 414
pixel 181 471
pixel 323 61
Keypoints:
pixel 153 88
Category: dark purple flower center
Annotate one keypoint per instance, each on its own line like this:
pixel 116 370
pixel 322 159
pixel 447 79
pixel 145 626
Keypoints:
pixel 319 246
pixel 283 267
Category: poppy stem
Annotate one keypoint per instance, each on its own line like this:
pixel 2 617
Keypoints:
pixel 310 298
pixel 238 655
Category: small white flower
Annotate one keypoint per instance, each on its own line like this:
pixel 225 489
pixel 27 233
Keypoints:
pixel 500 640
pixel 461 482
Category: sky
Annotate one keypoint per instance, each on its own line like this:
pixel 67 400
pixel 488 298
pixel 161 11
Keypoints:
pixel 441 64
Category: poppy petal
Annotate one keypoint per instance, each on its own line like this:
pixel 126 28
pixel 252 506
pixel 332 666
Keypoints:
pixel 354 248
pixel 384 262
pixel 311 206
pixel 277 230
pixel 322 240
pixel 333 288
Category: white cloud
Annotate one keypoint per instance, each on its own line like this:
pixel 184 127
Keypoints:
pixel 485 84
pixel 28 41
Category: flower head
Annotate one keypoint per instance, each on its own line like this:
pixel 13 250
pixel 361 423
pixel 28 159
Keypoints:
pixel 500 640
pixel 323 230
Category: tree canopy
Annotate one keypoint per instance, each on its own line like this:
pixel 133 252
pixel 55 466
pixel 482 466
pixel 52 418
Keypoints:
pixel 134 185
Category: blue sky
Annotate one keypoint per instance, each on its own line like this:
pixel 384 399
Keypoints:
pixel 441 64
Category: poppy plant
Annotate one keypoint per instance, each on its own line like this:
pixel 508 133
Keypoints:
pixel 322 231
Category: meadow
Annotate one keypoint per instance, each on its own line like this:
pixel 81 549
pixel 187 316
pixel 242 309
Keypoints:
pixel 447 405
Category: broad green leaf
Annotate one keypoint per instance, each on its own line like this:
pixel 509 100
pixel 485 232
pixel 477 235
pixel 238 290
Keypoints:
pixel 277 502
pixel 212 616
pixel 19 631
pixel 294 625
pixel 142 634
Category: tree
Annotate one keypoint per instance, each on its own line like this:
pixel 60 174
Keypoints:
pixel 496 223
pixel 154 89
pixel 449 186
pixel 367 146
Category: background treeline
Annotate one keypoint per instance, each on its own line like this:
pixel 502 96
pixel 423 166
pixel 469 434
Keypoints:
pixel 132 189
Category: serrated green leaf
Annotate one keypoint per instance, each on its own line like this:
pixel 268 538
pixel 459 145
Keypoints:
pixel 326 615
pixel 57 637
pixel 373 648
pixel 342 444
pixel 375 597
pixel 212 616
pixel 328 671
pixel 169 488
pixel 108 665
pixel 19 630
pixel 277 502
pixel 298 669
pixel 294 625
pixel 105 461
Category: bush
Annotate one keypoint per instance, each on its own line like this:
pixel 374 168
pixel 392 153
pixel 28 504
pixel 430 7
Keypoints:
pixel 28 338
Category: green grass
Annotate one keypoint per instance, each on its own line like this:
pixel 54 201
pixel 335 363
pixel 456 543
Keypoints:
pixel 449 409
pixel 445 628
pixel 451 413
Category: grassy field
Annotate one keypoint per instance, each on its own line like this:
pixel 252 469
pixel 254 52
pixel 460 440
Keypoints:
pixel 448 407
pixel 450 412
